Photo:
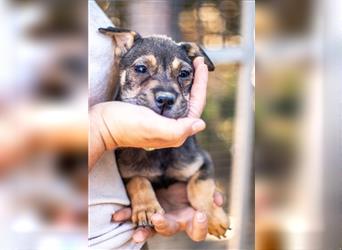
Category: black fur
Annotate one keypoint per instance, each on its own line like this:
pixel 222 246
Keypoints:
pixel 141 162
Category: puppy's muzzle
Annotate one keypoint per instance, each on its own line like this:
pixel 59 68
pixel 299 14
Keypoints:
pixel 164 100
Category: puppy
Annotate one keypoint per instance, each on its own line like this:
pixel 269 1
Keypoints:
pixel 157 73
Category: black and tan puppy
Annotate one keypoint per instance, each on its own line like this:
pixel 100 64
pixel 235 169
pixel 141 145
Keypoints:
pixel 157 73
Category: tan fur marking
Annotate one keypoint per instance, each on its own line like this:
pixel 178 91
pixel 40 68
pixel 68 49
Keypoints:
pixel 152 84
pixel 117 51
pixel 176 63
pixel 129 41
pixel 152 60
pixel 124 41
pixel 201 197
pixel 201 192
pixel 143 200
pixel 123 77
pixel 194 50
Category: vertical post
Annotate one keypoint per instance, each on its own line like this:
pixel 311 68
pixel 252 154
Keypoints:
pixel 242 175
pixel 304 231
pixel 143 15
pixel 332 128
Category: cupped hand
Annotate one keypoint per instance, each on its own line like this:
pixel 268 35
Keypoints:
pixel 118 124
pixel 179 216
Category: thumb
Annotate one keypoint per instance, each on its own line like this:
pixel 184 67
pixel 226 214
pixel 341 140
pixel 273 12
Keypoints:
pixel 198 228
pixel 190 126
pixel 197 126
pixel 180 129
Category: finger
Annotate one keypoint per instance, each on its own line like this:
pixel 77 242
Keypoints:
pixel 218 198
pixel 198 90
pixel 176 131
pixel 168 131
pixel 122 214
pixel 198 228
pixel 164 226
pixel 142 234
pixel 191 126
pixel 198 60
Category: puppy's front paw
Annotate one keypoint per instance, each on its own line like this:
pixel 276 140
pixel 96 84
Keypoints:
pixel 142 213
pixel 218 222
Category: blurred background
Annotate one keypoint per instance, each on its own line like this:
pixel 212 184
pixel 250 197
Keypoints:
pixel 298 134
pixel 297 153
pixel 215 25
pixel 43 124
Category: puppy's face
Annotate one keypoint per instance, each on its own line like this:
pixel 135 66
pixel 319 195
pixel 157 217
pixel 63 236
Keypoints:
pixel 155 72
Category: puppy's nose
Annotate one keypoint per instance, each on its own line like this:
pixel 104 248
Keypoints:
pixel 165 99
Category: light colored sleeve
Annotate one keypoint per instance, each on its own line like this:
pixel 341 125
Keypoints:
pixel 100 56
pixel 107 192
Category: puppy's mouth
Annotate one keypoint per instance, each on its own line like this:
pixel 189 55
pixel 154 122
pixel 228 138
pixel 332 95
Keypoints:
pixel 163 109
pixel 170 113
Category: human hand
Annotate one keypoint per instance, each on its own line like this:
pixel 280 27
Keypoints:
pixel 112 123
pixel 179 216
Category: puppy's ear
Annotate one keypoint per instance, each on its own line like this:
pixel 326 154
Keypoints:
pixel 193 51
pixel 124 39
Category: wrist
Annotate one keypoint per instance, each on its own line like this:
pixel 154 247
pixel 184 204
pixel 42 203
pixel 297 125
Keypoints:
pixel 100 137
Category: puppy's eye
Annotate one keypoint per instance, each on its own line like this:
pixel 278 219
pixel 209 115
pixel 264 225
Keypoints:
pixel 184 73
pixel 140 68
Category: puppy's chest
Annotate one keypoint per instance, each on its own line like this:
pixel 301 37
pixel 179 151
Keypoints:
pixel 163 165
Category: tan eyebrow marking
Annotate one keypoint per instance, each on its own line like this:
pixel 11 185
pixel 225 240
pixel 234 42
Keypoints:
pixel 149 59
pixel 152 60
pixel 175 63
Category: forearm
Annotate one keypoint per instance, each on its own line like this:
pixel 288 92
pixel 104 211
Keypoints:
pixel 100 138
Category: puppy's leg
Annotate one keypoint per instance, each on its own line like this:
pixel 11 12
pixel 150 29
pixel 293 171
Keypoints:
pixel 200 189
pixel 143 200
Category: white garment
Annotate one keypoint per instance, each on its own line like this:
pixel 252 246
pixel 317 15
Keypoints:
pixel 107 193
pixel 100 56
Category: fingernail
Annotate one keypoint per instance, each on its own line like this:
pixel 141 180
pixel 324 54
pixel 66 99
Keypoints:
pixel 218 199
pixel 200 59
pixel 198 126
pixel 139 237
pixel 157 219
pixel 201 217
